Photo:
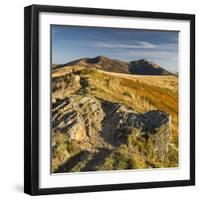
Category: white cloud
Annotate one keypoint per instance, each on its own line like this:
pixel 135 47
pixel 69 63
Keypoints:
pixel 135 45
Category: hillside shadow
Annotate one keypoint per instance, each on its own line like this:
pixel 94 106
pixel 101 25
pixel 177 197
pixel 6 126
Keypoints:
pixel 69 164
pixel 97 159
pixel 111 123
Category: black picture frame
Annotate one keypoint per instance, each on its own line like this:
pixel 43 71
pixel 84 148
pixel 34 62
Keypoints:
pixel 31 99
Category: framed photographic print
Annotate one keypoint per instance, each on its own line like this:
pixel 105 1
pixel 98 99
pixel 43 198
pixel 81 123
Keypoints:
pixel 109 100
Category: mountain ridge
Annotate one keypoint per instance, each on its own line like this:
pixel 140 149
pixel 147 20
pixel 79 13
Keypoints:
pixel 137 67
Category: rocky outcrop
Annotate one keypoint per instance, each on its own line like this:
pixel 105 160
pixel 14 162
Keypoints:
pixel 97 124
pixel 64 86
pixel 77 117
pixel 154 124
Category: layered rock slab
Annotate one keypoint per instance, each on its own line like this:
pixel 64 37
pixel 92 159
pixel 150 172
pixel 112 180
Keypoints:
pixel 95 124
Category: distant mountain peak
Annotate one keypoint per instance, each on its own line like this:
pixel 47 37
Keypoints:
pixel 146 67
pixel 145 62
pixel 98 59
pixel 103 57
pixel 140 60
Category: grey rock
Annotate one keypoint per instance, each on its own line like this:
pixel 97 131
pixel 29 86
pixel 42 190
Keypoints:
pixel 86 119
pixel 78 117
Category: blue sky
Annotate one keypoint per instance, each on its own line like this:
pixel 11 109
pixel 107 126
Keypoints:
pixel 70 43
